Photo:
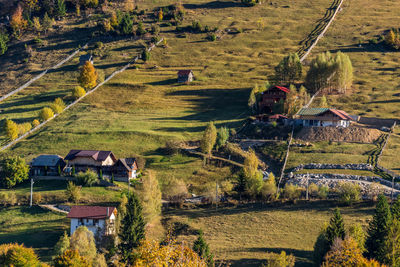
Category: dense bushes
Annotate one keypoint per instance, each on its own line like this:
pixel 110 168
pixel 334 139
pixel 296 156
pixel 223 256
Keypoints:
pixel 14 170
pixel 78 92
pixel 87 178
pixel 46 114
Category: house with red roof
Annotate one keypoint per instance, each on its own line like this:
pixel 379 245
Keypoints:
pixel 271 97
pixel 98 219
pixel 95 160
pixel 185 76
pixel 324 117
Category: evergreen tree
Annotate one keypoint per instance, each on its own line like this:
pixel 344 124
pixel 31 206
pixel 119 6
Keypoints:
pixel 392 245
pixel 321 247
pixel 209 138
pixel 61 8
pixel 396 209
pixel 132 230
pixel 378 230
pixel 3 42
pixel 47 22
pixel 335 228
pixel 241 185
pixel 126 24
pixel 323 103
pixel 202 249
pixel 222 137
pixel 357 233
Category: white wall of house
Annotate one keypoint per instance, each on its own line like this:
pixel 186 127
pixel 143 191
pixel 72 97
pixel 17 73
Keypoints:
pixel 92 225
pixel 341 123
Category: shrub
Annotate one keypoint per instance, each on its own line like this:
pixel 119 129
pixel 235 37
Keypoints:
pixel 292 192
pixel 35 122
pixel 348 193
pixel 155 29
pixel 73 192
pixel 196 26
pixel 212 37
pixel 37 198
pixel 3 43
pixel 24 127
pixel 78 92
pixel 46 113
pixel 280 260
pixel 145 55
pixel 11 129
pixel 56 108
pixel 175 190
pixel 323 192
pixel 87 178
pixel 14 171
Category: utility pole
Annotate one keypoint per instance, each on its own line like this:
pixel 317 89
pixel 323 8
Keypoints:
pixel 216 196
pixel 308 183
pixel 32 182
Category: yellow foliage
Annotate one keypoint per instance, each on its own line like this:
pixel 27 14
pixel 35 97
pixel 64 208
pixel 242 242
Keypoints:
pixel 11 129
pixel 78 92
pixel 24 127
pixel 18 255
pixel 160 15
pixel 88 76
pixel 35 122
pixel 172 254
pixel 46 113
pixel 17 21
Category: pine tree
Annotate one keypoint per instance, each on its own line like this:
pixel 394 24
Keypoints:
pixel 132 230
pixel 88 76
pixel 289 69
pixel 47 22
pixel 3 42
pixel 61 8
pixel 222 137
pixel 335 228
pixel 378 230
pixel 323 103
pixel 357 233
pixel 396 209
pixel 203 250
pixel 209 138
pixel 392 245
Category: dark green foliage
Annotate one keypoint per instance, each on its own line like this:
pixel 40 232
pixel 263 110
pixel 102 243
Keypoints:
pixel 289 69
pixel 3 43
pixel 249 2
pixel 396 209
pixel 112 178
pixel 222 137
pixel 14 170
pixel 126 24
pixel 196 26
pixel 59 170
pixel 241 184
pixel 73 171
pixel 101 174
pixel 132 230
pixel 212 37
pixel 145 55
pixel 335 228
pixel 378 230
pixel 203 250
pixel 279 107
pixel 140 29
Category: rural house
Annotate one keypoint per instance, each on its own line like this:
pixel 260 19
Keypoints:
pixel 324 117
pixel 84 58
pixel 91 159
pixel 185 76
pixel 272 96
pixel 95 218
pixel 125 168
pixel 44 165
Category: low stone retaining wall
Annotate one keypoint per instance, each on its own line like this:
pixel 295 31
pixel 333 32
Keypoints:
pixel 315 166
pixel 332 181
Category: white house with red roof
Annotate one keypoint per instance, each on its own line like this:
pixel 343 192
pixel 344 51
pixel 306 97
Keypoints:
pixel 324 117
pixel 95 218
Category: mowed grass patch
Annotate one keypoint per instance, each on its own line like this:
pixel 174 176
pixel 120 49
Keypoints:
pixel 330 153
pixel 243 235
pixel 34 227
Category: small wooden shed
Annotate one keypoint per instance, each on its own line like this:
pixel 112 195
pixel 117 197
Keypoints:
pixel 185 76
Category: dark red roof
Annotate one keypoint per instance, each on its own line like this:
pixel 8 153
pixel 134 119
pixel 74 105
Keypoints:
pixel 284 89
pixel 97 155
pixel 340 113
pixel 277 116
pixel 91 212
pixel 184 72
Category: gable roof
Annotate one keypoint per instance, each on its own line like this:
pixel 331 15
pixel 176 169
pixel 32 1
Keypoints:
pixel 97 155
pixel 284 89
pixel 320 111
pixel 128 162
pixel 46 160
pixel 91 212
pixel 184 72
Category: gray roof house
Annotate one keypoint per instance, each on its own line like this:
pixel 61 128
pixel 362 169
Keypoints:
pixel 44 165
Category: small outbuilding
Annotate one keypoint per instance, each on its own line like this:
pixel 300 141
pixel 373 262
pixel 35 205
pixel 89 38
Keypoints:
pixel 47 165
pixel 125 169
pixel 185 76
pixel 84 58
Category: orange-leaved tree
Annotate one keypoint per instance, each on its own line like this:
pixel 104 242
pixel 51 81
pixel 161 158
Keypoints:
pixel 18 23
pixel 88 76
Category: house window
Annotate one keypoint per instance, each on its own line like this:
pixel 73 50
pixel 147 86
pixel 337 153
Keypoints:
pixel 95 221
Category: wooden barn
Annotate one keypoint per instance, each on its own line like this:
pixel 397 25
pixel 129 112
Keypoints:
pixel 185 76
pixel 272 96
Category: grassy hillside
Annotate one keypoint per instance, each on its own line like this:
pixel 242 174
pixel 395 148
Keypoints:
pixel 262 229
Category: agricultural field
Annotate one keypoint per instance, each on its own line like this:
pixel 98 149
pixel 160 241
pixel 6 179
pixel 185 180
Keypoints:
pixel 390 157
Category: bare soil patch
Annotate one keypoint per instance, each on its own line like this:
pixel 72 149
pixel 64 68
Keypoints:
pixel 338 134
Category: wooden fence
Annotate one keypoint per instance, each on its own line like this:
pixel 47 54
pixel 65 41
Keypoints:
pixel 10 144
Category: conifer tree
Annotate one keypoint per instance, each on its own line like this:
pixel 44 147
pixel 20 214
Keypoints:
pixel 132 230
pixel 336 227
pixel 289 69
pixel 47 22
pixel 88 76
pixel 392 245
pixel 357 233
pixel 396 209
pixel 378 230
pixel 209 138
pixel 323 103
pixel 203 250
pixel 62 245
pixel 222 137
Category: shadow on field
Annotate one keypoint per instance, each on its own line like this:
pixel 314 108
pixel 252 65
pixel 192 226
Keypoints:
pixel 214 5
pixel 164 82
pixel 29 100
pixel 365 47
pixel 365 208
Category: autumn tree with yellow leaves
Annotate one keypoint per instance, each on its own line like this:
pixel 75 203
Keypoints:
pixel 88 76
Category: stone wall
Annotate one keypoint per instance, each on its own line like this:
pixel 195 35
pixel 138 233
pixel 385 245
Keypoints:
pixel 314 166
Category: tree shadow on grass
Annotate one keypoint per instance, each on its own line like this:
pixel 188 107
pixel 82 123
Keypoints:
pixel 164 82
pixel 215 5
pixel 362 208
pixel 32 99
